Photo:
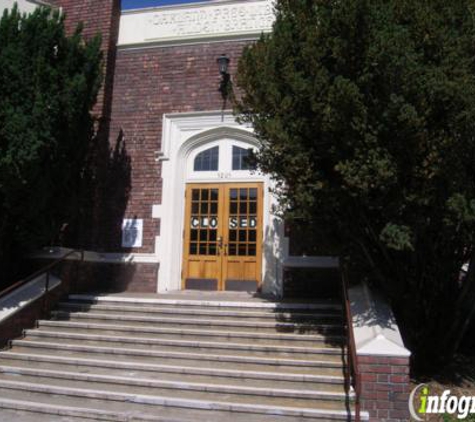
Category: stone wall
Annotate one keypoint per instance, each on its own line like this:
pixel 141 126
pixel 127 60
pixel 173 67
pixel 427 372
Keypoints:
pixel 26 317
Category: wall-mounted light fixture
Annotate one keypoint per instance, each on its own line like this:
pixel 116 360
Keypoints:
pixel 224 86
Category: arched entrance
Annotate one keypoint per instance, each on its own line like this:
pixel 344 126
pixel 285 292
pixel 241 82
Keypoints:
pixel 223 226
pixel 207 182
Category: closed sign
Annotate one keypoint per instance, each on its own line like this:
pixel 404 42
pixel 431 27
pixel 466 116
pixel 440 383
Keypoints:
pixel 204 222
pixel 242 222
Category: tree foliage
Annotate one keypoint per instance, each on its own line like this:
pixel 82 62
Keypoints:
pixel 48 85
pixel 366 114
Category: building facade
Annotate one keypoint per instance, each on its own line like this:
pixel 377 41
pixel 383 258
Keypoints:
pixel 179 205
pixel 195 206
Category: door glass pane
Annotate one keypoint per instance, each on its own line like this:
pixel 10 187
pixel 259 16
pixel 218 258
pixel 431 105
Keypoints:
pixel 242 222
pixel 204 221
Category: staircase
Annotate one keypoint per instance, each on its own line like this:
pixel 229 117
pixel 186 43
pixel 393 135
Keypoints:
pixel 111 358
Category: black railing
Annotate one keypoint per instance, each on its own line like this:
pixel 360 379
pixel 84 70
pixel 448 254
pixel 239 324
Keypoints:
pixel 352 376
pixel 44 271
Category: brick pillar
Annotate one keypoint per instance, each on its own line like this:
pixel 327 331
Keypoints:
pixel 385 387
pixel 98 17
pixel 383 361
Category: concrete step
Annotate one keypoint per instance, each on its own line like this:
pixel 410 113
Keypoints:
pixel 210 324
pixel 239 362
pixel 124 369
pixel 22 410
pixel 75 407
pixel 240 304
pixel 147 403
pixel 146 351
pixel 117 358
pixel 109 328
pixel 250 349
pixel 200 391
pixel 206 313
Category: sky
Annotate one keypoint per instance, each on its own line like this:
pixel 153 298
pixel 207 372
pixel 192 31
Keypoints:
pixel 137 4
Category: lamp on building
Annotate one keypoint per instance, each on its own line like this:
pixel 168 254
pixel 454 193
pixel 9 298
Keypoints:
pixel 224 86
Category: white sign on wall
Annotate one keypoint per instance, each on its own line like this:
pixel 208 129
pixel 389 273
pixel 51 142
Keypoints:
pixel 132 233
pixel 193 22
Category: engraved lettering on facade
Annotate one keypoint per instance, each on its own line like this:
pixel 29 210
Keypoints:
pixel 216 20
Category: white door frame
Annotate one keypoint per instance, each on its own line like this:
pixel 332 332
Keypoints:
pixel 182 134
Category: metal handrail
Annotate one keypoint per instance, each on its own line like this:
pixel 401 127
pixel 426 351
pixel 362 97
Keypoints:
pixel 352 370
pixel 45 270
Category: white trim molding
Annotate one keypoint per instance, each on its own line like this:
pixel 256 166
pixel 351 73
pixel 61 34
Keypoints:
pixel 195 22
pixel 374 325
pixel 182 134
pixel 56 252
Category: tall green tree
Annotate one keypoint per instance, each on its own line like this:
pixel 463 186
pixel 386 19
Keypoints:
pixel 366 114
pixel 48 85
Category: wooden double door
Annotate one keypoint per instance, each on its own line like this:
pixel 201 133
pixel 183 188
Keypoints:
pixel 223 237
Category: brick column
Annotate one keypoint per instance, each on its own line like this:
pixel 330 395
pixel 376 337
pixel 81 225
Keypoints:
pixel 385 387
pixel 383 361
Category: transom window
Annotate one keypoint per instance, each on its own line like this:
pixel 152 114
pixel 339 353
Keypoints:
pixel 241 158
pixel 208 160
pixel 223 159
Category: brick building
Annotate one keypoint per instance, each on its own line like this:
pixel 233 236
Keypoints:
pixel 180 206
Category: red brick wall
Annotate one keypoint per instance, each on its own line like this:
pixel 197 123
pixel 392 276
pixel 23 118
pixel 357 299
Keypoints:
pixel 385 388
pixel 114 278
pixel 98 17
pixel 148 83
pixel 140 86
